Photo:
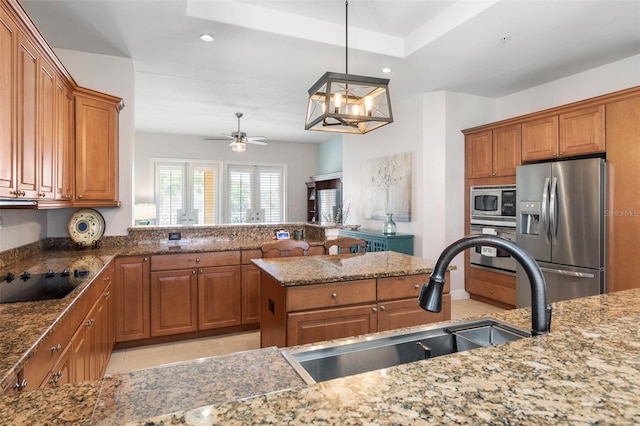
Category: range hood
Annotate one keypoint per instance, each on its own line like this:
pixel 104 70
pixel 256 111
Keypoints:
pixel 16 203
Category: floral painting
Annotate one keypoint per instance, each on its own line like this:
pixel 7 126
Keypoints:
pixel 387 187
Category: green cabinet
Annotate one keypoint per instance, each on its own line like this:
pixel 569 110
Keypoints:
pixel 377 241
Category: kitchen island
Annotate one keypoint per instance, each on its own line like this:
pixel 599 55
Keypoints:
pixel 586 371
pixel 306 299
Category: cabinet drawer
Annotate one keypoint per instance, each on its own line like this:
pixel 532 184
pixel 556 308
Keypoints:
pixel 330 295
pixel 167 262
pixel 391 288
pixel 247 255
pixel 407 313
pixel 492 291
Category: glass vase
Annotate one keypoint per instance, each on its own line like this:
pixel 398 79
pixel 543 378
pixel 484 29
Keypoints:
pixel 389 226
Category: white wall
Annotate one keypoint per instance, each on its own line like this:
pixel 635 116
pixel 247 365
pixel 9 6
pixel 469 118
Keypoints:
pixel 115 76
pixel 300 161
pixel 20 227
pixel 598 81
pixel 330 156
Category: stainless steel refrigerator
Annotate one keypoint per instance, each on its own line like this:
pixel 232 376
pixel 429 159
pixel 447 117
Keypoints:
pixel 561 223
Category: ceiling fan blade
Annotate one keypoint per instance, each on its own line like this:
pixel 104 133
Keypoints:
pixel 255 142
pixel 224 137
pixel 257 138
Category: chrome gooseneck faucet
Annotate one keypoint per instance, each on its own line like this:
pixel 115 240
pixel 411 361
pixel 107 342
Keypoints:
pixel 431 295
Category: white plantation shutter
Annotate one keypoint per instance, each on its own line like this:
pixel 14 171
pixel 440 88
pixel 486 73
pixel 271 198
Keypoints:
pixel 190 189
pixel 255 188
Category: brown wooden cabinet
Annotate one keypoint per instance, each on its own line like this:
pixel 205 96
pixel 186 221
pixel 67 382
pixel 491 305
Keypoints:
pixel 174 302
pixel 492 153
pixel 46 130
pixel 8 138
pixel 574 133
pixel 250 287
pixel 623 193
pixel 64 142
pixel 131 295
pixel 96 157
pixel 312 313
pixel 491 287
pixel 219 297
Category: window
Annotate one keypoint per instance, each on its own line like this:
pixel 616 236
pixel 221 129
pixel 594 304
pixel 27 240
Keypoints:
pixel 255 194
pixel 186 193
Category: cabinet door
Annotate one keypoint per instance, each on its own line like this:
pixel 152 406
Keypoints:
pixel 327 324
pixel 507 144
pixel 64 143
pixel 46 130
pixel 131 298
pixel 96 149
pixel 27 101
pixel 407 313
pixel 479 154
pixel 8 147
pixel 540 139
pixel 250 294
pixel 174 302
pixel 582 132
pixel 219 297
pixel 60 374
pixel 80 357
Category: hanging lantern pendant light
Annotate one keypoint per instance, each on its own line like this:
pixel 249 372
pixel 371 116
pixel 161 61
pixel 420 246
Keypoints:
pixel 348 103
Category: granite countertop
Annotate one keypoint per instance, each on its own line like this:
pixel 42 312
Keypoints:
pixel 301 270
pixel 586 371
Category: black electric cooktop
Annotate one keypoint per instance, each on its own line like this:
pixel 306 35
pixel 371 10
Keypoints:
pixel 31 287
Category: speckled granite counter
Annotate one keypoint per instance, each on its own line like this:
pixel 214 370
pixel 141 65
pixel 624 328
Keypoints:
pixel 586 371
pixel 345 267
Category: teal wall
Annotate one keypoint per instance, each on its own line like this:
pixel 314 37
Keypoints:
pixel 330 156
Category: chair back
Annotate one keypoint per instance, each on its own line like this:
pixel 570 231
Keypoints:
pixel 345 245
pixel 285 248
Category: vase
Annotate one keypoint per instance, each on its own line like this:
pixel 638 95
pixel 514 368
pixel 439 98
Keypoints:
pixel 389 226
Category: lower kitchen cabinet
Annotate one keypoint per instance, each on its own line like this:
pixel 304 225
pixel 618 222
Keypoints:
pixel 250 287
pixel 311 313
pixel 174 302
pixel 327 324
pixel 131 294
pixel 79 347
pixel 491 287
pixel 219 297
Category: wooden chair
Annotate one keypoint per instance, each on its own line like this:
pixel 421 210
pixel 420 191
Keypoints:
pixel 285 248
pixel 345 245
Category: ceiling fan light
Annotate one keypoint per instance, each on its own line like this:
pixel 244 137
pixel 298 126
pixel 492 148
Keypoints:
pixel 239 147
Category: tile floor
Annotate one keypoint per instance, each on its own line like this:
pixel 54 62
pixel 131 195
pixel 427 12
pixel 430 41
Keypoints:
pixel 150 356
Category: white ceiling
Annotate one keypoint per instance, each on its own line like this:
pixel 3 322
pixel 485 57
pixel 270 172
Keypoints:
pixel 267 53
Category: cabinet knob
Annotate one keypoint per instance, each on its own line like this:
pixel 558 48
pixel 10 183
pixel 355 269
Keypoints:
pixel 374 309
pixel 560 153
pixel 42 194
pixel 194 271
pixel 58 347
pixel 492 291
pixel 145 259
pixel 197 260
pixel 334 295
pixel 80 196
pixel 107 278
pixel 106 293
pixel 20 385
pixel 416 286
pixel 382 308
pixel 202 271
pixel 89 323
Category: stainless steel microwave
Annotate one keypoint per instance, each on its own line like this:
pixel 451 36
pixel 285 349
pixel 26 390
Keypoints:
pixel 493 205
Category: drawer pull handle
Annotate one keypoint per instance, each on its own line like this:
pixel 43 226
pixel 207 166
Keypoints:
pixel 107 293
pixel 58 347
pixel 89 323
pixel 334 295
pixel 20 385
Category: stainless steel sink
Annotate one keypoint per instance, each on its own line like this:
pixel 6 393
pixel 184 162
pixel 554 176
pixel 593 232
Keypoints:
pixel 325 362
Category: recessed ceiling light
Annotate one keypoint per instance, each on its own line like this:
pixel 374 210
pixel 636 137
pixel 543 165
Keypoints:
pixel 386 70
pixel 505 39
pixel 207 37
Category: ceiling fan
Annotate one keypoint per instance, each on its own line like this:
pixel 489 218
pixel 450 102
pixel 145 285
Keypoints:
pixel 240 139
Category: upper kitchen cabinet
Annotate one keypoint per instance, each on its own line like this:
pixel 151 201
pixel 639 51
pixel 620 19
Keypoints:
pixel 8 145
pixel 58 142
pixel 568 134
pixel 96 132
pixel 493 153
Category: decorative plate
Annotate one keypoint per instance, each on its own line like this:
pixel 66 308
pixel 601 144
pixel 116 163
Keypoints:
pixel 86 226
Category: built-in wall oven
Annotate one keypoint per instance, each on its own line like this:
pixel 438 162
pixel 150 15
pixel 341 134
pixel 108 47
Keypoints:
pixel 493 212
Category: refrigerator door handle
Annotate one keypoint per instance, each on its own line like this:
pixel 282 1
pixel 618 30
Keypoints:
pixel 543 207
pixel 569 273
pixel 553 211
